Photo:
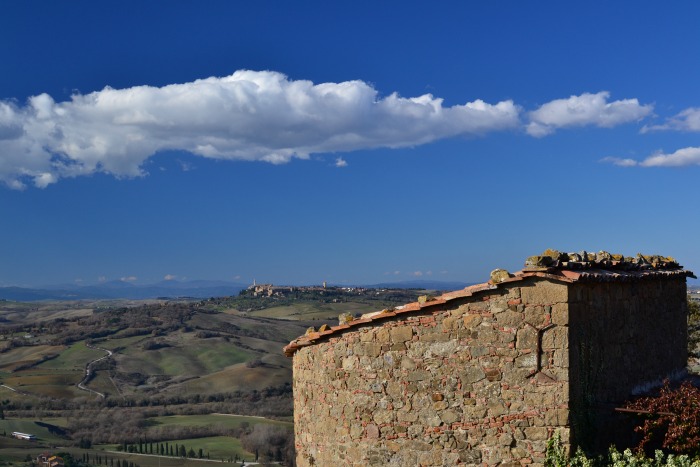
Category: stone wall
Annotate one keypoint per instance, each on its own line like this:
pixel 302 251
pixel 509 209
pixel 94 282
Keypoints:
pixel 477 380
pixel 626 337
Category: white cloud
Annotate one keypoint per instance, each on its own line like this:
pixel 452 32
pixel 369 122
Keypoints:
pixel 680 158
pixel 417 273
pixel 128 279
pixel 340 162
pixel 248 115
pixel 620 161
pixel 687 120
pixel 169 277
pixel 185 166
pixel 586 109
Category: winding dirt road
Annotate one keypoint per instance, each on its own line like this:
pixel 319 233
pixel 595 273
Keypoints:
pixel 88 370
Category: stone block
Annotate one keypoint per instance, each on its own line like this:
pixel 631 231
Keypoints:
pixel 496 409
pixel 509 319
pixel 544 293
pixel 561 358
pixel 449 416
pixel 560 314
pixel 450 323
pixel 493 374
pixel 526 338
pixel 498 306
pixel 536 433
pixel 555 338
pixel 479 351
pixel 371 349
pixel 440 405
pixel 471 456
pixel 349 363
pixel 418 375
pixel 382 336
pixel 506 439
pixel 382 417
pixel 408 363
pixel 401 334
pixel 471 374
pixel 471 321
pixel 436 337
pixel 527 361
pixel 535 315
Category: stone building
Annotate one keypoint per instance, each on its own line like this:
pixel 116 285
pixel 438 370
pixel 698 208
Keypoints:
pixel 485 375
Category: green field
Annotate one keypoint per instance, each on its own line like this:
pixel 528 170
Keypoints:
pixel 317 311
pixel 228 421
pixel 56 384
pixel 39 428
pixel 14 452
pixel 185 355
pixel 169 358
pixel 217 447
pixel 124 342
pixel 75 357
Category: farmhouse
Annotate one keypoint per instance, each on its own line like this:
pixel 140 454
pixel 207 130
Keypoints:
pixel 25 436
pixel 485 375
pixel 48 460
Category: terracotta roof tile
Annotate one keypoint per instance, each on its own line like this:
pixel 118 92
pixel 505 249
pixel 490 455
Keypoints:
pixel 581 273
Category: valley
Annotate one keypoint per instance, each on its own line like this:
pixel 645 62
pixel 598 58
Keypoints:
pixel 207 374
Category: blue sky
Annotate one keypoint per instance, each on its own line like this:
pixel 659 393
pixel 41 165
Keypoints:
pixel 356 143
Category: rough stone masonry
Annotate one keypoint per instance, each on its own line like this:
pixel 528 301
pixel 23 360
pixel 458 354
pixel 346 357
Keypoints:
pixel 485 375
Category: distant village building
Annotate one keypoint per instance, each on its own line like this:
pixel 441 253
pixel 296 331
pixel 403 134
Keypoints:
pixel 269 290
pixel 25 436
pixel 48 460
pixel 487 374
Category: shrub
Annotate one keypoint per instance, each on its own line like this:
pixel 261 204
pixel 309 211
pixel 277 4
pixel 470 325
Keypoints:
pixel 556 457
pixel 675 415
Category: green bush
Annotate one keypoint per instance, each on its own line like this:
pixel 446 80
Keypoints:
pixel 556 457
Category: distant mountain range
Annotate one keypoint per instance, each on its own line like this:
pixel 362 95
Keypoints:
pixel 421 284
pixel 124 290
pixel 173 289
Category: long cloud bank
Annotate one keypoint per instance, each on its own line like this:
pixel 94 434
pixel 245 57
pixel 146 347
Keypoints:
pixel 680 158
pixel 253 115
pixel 687 120
pixel 584 110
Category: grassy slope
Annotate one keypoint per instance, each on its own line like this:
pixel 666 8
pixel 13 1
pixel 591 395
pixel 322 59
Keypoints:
pixel 13 452
pixel 186 361
pixel 75 357
pixel 186 355
pixel 206 353
pixel 30 426
pixel 25 355
pixel 228 421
